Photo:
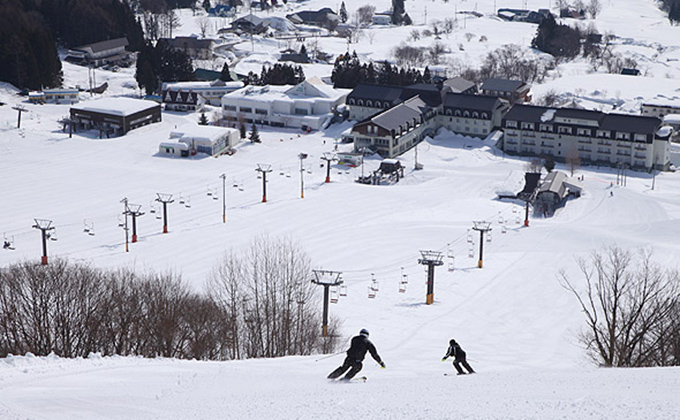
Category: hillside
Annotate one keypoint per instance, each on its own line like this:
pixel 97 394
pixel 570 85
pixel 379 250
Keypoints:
pixel 516 322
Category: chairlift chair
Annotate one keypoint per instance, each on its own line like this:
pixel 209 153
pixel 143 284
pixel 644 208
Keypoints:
pixel 343 290
pixel 371 293
pixel 334 295
pixel 374 285
pixel 120 221
pixel 8 244
pixel 187 202
pixel 209 192
pixel 503 229
pixel 451 266
pixel 181 199
pixel 215 196
pixel 52 236
pixel 240 187
pixel 488 236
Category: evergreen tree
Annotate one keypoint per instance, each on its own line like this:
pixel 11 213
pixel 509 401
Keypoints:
pixel 203 120
pixel 398 12
pixel 254 136
pixel 225 75
pixel 242 130
pixel 206 5
pixel 343 13
pixel 427 77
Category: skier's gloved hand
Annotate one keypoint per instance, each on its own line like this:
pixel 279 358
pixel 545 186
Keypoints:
pixel 382 365
pixel 443 359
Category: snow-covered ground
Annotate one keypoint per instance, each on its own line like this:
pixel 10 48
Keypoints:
pixel 516 322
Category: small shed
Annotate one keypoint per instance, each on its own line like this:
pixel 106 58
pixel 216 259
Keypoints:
pixel 169 148
pixel 206 139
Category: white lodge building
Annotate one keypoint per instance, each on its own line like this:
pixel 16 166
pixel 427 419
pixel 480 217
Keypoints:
pixel 308 104
pixel 598 138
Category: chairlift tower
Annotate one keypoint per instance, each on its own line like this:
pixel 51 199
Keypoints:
pixel 134 210
pixel 326 278
pixel 481 227
pixel 165 199
pixel 302 156
pixel 45 227
pixel 224 198
pixel 264 169
pixel 328 157
pixel 431 259
pixel 20 109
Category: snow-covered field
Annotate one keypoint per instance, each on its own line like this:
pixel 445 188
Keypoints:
pixel 516 322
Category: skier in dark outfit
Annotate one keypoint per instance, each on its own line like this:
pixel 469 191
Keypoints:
pixel 355 355
pixel 458 355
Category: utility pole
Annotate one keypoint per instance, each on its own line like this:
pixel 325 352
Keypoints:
pixel 526 212
pixel 431 259
pixel 326 279
pixel 135 211
pixel 21 109
pixel 165 199
pixel 264 169
pixel 126 211
pixel 224 198
pixel 302 157
pixel 45 226
pixel 482 227
pixel 328 157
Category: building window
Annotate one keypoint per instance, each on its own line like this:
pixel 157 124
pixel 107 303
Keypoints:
pixel 230 108
pixel 564 130
pixel 245 109
pixel 511 124
pixel 301 111
pixel 527 126
pixel 261 111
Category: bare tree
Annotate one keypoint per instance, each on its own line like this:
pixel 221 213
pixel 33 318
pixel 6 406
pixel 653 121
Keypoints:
pixel 630 305
pixel 436 51
pixel 594 8
pixel 364 15
pixel 203 25
pixel 573 159
pixel 535 165
pixel 408 55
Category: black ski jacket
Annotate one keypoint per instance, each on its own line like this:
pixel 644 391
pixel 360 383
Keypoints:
pixel 456 352
pixel 360 345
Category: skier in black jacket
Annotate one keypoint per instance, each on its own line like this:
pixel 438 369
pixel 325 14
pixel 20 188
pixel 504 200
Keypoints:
pixel 355 355
pixel 458 355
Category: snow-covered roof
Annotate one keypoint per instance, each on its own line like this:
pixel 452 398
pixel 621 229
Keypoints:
pixel 116 106
pixel 201 131
pixel 673 119
pixel 305 91
pixel 178 145
pixel 203 85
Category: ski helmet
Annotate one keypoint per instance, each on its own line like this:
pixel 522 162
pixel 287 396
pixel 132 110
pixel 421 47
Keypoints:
pixel 364 332
pixel 452 342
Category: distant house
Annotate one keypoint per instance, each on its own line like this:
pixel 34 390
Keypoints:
pixel 249 24
pixel 459 85
pixel 294 56
pixel 200 49
pixel 222 10
pixel 55 96
pixel 202 139
pixel 309 104
pixel 100 53
pixel 660 108
pixel 514 91
pixel 114 116
pixel 381 19
pixel 630 72
pixel 366 100
pixel 325 18
pixel 570 12
pixel 189 96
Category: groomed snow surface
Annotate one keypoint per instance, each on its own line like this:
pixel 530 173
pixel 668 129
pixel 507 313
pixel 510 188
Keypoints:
pixel 517 324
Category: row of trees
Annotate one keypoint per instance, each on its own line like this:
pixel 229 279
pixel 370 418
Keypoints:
pixel 349 71
pixel 259 304
pixel 632 309
pixel 279 74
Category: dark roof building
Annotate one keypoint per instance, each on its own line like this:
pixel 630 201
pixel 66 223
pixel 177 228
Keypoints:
pixel 593 136
pixel 514 91
pixel 111 51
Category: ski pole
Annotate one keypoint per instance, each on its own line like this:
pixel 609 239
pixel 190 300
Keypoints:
pixel 329 356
